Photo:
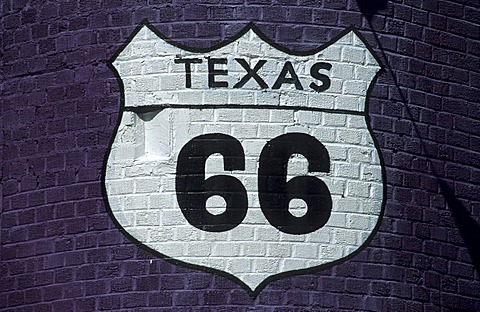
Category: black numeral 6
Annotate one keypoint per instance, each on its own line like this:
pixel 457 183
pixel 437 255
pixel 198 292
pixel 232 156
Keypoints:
pixel 275 192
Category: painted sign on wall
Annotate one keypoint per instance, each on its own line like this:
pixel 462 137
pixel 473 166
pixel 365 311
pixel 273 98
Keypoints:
pixel 246 159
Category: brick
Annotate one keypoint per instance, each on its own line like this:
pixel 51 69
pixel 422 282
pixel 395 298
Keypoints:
pixel 33 296
pixel 16 298
pixel 220 13
pixel 402 12
pixel 95 288
pixel 357 286
pixel 12 21
pixel 374 304
pixel 450 9
pixel 170 13
pixel 134 300
pixel 122 284
pixel 39 31
pixel 185 298
pixel 454 301
pixel 85 273
pixel 444 81
pixel 468 288
pixel 332 284
pixel 270 297
pixel 325 17
pixel 471 13
pixel 352 18
pixel 109 302
pixel 87 304
pixel 194 12
pixel 350 301
pixel 296 298
pixel 121 18
pixel 289 33
pixel 213 298
pixel 299 14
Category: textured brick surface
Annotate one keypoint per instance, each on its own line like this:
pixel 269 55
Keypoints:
pixel 140 174
pixel 60 251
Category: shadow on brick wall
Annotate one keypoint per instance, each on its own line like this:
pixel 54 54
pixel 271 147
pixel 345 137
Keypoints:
pixel 469 228
pixel 371 7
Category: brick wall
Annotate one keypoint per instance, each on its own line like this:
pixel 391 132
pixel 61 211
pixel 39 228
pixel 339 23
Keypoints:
pixel 60 103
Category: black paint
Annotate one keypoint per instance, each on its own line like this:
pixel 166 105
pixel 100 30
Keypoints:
pixel 282 77
pixel 251 73
pixel 193 190
pixel 275 192
pixel 212 72
pixel 188 69
pixel 315 73
pixel 251 26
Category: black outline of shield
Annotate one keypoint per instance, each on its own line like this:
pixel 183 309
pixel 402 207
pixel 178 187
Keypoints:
pixel 250 26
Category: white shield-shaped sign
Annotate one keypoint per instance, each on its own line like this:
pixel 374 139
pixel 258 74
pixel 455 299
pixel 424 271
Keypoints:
pixel 245 159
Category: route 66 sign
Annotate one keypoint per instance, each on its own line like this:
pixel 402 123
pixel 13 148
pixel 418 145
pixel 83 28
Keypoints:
pixel 245 159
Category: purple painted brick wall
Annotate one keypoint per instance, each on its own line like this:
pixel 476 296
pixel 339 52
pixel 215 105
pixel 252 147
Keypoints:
pixel 59 105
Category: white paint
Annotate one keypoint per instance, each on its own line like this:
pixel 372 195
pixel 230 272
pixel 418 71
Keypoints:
pixel 140 175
